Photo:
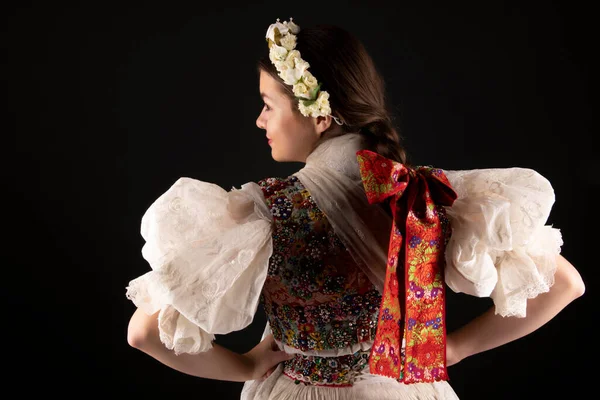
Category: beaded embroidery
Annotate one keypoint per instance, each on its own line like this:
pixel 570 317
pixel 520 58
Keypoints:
pixel 326 371
pixel 315 297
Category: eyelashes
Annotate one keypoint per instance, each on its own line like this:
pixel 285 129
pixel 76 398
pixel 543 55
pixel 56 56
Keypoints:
pixel 267 107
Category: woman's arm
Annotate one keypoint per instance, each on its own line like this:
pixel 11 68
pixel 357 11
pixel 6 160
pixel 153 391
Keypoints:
pixel 216 363
pixel 489 330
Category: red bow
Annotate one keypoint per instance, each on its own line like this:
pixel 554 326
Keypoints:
pixel 417 197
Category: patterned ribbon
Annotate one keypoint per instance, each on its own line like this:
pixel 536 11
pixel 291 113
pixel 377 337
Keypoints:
pixel 417 197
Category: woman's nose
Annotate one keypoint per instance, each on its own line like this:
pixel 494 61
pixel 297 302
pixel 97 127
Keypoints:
pixel 259 122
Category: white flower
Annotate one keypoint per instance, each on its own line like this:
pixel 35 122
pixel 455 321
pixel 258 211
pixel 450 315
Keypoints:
pixel 323 99
pixel 293 55
pixel 277 53
pixel 289 42
pixel 279 65
pixel 319 107
pixel 311 110
pixel 301 66
pixel 284 65
pixel 293 68
pixel 293 62
pixel 290 75
pixel 325 110
pixel 300 90
pixel 309 80
pixel 273 35
pixel 292 27
pixel 303 109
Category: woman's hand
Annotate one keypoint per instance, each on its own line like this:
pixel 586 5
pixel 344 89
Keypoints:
pixel 264 358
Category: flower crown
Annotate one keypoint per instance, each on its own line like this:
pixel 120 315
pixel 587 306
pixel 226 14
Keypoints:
pixel 293 70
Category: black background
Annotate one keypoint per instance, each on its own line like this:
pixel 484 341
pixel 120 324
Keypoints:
pixel 107 104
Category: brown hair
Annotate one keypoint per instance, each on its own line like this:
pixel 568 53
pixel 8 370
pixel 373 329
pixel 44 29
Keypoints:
pixel 356 89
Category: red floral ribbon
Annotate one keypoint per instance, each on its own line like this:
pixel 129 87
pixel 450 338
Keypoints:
pixel 419 235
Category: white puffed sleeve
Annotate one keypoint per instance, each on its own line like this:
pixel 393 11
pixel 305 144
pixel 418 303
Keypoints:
pixel 209 251
pixel 500 246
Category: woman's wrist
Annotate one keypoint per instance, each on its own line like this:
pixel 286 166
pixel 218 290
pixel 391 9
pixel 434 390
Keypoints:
pixel 456 348
pixel 249 365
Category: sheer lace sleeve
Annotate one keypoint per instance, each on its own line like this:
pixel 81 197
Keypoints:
pixel 209 251
pixel 500 246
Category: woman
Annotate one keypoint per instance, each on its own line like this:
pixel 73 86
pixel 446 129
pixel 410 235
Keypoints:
pixel 354 310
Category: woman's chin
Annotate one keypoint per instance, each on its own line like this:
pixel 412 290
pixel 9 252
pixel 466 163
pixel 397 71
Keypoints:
pixel 277 157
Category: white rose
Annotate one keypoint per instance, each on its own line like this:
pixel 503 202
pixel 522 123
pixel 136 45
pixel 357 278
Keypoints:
pixel 323 99
pixel 279 65
pixel 288 41
pixel 290 75
pixel 303 109
pixel 293 55
pixel 301 66
pixel 277 53
pixel 311 110
pixel 290 63
pixel 300 90
pixel 314 109
pixel 284 65
pixel 325 110
pixel 309 80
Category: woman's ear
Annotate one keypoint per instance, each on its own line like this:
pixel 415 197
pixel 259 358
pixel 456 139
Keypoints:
pixel 322 123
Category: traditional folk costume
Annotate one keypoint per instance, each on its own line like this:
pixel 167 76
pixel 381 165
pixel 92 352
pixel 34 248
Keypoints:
pixel 349 257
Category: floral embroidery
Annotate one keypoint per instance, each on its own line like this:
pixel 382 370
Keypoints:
pixel 326 371
pixel 417 197
pixel 315 297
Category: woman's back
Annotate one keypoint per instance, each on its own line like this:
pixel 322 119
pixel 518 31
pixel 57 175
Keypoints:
pixel 320 307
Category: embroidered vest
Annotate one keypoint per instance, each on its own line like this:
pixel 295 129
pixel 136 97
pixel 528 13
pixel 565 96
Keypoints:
pixel 315 297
